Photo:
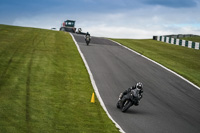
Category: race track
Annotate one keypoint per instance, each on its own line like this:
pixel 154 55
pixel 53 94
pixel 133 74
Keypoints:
pixel 169 105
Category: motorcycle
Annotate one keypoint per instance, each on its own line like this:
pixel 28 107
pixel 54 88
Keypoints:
pixel 128 100
pixel 87 40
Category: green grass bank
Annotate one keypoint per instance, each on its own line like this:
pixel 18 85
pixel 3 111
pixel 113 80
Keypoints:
pixel 44 85
pixel 184 61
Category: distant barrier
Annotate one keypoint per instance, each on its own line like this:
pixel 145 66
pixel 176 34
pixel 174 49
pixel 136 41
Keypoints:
pixel 177 41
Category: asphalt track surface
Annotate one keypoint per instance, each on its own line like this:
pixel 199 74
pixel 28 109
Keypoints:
pixel 169 105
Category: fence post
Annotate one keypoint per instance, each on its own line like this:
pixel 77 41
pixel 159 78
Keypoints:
pixel 186 43
pixel 180 42
pixel 167 39
pixel 189 44
pixel 183 43
pixel 177 41
pixel 163 39
pixel 197 45
pixel 193 44
pixel 172 40
pixel 158 37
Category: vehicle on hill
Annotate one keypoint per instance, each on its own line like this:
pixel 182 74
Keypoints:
pixel 69 26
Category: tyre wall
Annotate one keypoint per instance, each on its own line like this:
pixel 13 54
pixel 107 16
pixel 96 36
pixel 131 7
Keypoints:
pixel 177 41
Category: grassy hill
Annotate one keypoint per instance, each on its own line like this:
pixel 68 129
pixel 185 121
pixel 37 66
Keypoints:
pixel 185 61
pixel 44 85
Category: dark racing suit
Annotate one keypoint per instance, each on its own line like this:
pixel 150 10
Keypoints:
pixel 137 93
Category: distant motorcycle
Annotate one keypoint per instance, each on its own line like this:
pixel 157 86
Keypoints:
pixel 87 38
pixel 128 100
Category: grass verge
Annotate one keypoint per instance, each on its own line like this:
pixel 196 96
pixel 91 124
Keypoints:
pixel 44 85
pixel 182 60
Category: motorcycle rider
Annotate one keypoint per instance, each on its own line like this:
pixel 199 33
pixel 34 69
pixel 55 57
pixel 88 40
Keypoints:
pixel 138 86
pixel 87 36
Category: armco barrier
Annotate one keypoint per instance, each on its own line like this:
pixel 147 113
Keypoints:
pixel 176 41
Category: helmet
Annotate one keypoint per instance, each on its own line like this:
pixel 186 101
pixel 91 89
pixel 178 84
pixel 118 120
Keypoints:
pixel 139 85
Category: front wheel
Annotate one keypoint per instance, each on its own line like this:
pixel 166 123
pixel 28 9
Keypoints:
pixel 87 42
pixel 127 104
pixel 118 104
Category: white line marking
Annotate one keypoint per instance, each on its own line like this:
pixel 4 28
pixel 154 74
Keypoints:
pixel 94 85
pixel 159 65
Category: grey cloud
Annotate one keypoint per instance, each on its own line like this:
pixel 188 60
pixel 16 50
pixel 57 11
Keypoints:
pixel 172 3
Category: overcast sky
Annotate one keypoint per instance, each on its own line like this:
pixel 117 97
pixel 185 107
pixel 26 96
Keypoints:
pixel 107 18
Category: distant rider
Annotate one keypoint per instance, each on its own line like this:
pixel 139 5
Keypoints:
pixel 136 88
pixel 87 36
